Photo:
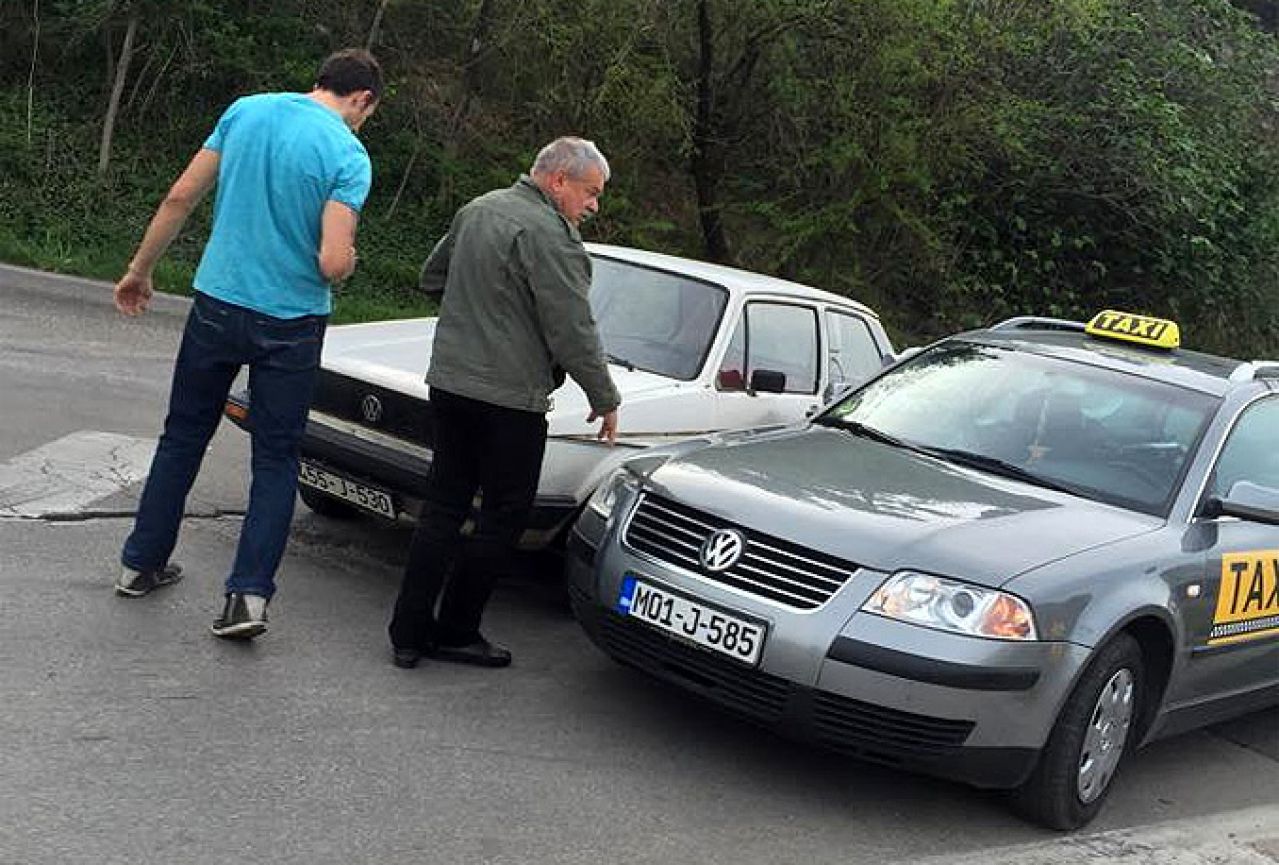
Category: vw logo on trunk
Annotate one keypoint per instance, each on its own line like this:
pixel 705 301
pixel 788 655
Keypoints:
pixel 722 550
pixel 371 408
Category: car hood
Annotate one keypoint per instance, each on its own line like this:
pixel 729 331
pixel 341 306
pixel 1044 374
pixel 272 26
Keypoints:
pixel 396 355
pixel 889 508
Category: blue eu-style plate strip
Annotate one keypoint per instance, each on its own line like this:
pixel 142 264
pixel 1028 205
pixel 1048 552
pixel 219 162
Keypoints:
pixel 626 596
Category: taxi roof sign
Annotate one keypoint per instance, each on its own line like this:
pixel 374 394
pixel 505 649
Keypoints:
pixel 1141 329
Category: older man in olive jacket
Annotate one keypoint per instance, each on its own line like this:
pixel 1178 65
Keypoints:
pixel 515 317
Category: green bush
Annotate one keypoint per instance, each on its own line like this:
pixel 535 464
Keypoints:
pixel 950 162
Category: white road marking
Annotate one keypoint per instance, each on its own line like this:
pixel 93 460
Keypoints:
pixel 66 475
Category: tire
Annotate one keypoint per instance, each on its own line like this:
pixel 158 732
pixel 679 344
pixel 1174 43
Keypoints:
pixel 326 506
pixel 1093 734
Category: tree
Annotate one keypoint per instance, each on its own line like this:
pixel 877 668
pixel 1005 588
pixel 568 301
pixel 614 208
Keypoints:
pixel 729 55
pixel 117 88
pixel 948 161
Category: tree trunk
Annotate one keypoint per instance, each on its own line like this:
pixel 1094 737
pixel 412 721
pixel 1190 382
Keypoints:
pixel 138 81
pixel 404 179
pixel 377 23
pixel 708 150
pixel 31 74
pixel 467 86
pixel 155 86
pixel 117 88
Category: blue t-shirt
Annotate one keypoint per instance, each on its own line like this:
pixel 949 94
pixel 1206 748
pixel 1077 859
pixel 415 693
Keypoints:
pixel 283 156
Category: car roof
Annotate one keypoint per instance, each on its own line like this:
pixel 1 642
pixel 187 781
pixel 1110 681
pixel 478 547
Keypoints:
pixel 728 277
pixel 1209 373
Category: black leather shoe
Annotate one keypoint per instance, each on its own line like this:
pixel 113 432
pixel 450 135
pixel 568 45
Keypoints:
pixel 480 653
pixel 406 659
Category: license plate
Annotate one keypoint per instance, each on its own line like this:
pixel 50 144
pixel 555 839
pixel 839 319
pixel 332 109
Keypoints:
pixel 710 627
pixel 361 495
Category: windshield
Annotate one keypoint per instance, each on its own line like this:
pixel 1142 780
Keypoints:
pixel 653 320
pixel 1102 434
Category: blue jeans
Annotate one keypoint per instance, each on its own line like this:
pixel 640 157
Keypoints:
pixel 283 356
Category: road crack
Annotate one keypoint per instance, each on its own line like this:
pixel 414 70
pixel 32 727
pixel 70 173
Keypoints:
pixel 91 516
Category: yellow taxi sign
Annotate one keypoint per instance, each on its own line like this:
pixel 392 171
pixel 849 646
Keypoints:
pixel 1143 329
pixel 1248 599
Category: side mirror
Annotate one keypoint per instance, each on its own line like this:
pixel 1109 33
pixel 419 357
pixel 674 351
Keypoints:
pixel 768 381
pixel 1247 501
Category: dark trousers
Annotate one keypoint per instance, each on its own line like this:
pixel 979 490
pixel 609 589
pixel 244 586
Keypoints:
pixel 449 577
pixel 283 356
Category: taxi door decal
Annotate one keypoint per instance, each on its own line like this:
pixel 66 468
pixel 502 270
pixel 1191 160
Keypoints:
pixel 1248 600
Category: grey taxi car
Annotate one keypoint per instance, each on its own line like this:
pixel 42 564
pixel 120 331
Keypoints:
pixel 1009 559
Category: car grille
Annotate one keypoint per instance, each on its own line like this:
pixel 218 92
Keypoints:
pixel 401 415
pixel 754 694
pixel 769 568
pixel 836 722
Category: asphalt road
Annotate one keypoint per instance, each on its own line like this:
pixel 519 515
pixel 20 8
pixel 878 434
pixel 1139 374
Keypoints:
pixel 129 734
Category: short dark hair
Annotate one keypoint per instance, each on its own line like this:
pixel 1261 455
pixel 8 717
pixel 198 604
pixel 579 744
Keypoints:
pixel 349 71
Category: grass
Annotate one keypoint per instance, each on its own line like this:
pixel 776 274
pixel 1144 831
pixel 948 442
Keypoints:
pixel 174 274
pixel 55 254
pixel 377 306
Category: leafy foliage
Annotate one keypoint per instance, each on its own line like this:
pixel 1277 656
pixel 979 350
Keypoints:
pixel 951 162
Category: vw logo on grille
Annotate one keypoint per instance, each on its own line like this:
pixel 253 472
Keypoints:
pixel 371 408
pixel 722 550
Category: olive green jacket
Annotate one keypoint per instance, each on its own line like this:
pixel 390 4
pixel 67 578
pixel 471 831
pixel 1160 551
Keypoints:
pixel 515 314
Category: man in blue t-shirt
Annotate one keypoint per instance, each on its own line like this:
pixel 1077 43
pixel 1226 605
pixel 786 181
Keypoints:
pixel 291 179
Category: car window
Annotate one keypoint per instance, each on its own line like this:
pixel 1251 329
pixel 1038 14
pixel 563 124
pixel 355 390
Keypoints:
pixel 780 337
pixel 851 354
pixel 654 320
pixel 1111 436
pixel 1250 452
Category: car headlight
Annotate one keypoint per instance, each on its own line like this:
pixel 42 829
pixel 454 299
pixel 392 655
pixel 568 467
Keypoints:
pixel 607 494
pixel 950 605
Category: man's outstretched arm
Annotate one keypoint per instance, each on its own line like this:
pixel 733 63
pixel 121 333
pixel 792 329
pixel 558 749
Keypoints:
pixel 133 291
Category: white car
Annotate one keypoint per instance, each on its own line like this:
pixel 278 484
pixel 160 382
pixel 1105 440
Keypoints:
pixel 693 348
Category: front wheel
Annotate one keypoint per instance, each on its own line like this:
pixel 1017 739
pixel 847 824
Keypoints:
pixel 1093 733
pixel 326 506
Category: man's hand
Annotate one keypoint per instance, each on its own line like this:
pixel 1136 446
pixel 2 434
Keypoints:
pixel 608 427
pixel 133 293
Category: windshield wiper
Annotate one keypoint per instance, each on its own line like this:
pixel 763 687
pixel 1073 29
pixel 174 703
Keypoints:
pixel 997 466
pixel 620 361
pixel 963 457
pixel 858 428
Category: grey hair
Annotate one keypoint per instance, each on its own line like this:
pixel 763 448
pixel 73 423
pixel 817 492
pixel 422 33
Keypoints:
pixel 575 156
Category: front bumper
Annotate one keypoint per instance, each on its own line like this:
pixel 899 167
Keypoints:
pixel 854 687
pixel 398 467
